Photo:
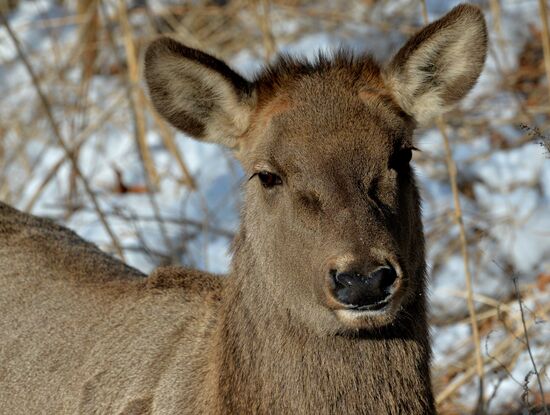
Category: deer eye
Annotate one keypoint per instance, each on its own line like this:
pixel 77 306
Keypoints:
pixel 400 159
pixel 268 179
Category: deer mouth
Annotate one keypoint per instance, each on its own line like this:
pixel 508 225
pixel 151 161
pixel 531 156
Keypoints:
pixel 366 301
pixel 380 305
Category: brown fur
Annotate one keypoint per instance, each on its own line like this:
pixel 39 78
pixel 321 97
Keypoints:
pixel 83 333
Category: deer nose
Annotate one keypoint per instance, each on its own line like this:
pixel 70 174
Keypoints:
pixel 359 291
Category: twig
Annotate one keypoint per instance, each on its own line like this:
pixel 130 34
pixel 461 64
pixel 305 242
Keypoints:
pixel 88 36
pixel 173 220
pixel 520 301
pixel 57 133
pixel 135 98
pixel 265 26
pixel 424 8
pixel 500 363
pixel 470 372
pixel 451 167
pixel 494 393
pixel 545 40
pixel 534 133
pixel 497 25
pixel 80 140
pixel 170 144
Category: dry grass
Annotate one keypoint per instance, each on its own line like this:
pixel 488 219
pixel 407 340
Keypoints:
pixel 111 37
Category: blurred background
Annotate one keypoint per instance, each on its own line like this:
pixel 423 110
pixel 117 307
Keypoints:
pixel 80 143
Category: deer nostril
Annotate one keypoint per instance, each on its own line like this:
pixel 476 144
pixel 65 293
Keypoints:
pixel 383 278
pixel 347 279
pixel 358 290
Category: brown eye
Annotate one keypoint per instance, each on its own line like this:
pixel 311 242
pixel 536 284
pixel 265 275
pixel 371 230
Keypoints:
pixel 401 159
pixel 268 179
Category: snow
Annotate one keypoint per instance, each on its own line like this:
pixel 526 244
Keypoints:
pixel 505 169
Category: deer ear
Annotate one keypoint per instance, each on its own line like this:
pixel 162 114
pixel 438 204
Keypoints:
pixel 440 64
pixel 197 93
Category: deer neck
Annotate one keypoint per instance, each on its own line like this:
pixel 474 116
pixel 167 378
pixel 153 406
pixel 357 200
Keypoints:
pixel 267 363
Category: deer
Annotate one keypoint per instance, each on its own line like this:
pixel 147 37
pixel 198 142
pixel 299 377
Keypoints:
pixel 324 309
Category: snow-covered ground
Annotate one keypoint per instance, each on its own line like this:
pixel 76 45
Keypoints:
pixel 503 171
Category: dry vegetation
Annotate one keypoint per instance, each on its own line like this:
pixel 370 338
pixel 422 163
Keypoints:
pixel 66 114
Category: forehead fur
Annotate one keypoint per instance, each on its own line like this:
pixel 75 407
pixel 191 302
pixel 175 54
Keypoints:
pixel 332 108
pixel 287 69
pixel 358 74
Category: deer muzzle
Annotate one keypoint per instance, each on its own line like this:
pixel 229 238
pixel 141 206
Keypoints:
pixel 364 292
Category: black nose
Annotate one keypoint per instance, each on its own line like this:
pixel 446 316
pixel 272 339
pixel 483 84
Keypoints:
pixel 364 291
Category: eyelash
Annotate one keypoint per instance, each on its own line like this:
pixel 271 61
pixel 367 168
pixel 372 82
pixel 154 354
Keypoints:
pixel 267 179
pixel 401 158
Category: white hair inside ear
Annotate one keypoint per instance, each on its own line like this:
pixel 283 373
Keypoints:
pixel 439 65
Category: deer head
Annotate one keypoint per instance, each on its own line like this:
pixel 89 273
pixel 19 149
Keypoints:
pixel 331 231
